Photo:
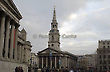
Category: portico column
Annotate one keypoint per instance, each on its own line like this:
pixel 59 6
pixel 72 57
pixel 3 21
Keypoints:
pixel 20 52
pixel 16 42
pixel 51 62
pixel 12 40
pixel 55 61
pixel 7 37
pixel 46 61
pixel 2 24
pixel 42 62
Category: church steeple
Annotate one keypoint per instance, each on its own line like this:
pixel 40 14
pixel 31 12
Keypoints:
pixel 54 36
pixel 54 24
pixel 54 15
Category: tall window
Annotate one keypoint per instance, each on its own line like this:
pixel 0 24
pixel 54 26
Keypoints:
pixel 52 38
pixel 53 26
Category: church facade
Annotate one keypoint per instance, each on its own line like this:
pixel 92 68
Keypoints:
pixel 53 57
pixel 15 51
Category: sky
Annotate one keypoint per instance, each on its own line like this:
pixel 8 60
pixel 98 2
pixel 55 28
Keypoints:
pixel 88 19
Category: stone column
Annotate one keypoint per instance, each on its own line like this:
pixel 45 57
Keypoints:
pixel 2 23
pixel 51 62
pixel 11 41
pixel 60 62
pixel 20 52
pixel 42 62
pixel 7 37
pixel 16 42
pixel 55 62
pixel 46 61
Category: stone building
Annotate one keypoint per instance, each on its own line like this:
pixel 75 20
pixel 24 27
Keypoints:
pixel 53 57
pixel 91 60
pixel 103 55
pixel 34 59
pixel 87 61
pixel 82 62
pixel 14 49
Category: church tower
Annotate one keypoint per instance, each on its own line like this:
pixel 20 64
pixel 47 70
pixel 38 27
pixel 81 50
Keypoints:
pixel 54 36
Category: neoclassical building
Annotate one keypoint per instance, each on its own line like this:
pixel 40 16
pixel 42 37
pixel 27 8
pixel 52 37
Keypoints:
pixel 14 49
pixel 53 57
pixel 103 55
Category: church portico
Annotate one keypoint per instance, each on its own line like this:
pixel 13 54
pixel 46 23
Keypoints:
pixel 8 36
pixel 49 62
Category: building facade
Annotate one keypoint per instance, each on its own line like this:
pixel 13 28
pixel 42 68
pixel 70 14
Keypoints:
pixel 87 62
pixel 53 57
pixel 103 55
pixel 14 49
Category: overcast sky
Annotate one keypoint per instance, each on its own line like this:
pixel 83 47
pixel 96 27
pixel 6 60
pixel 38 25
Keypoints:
pixel 88 19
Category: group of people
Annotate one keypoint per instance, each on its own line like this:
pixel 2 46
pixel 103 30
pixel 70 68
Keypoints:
pixel 59 70
pixel 19 69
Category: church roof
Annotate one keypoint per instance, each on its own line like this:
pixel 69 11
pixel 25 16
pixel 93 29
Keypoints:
pixel 57 51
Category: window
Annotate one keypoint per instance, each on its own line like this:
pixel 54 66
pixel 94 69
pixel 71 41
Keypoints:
pixel 100 62
pixel 52 38
pixel 52 44
pixel 103 46
pixel 53 26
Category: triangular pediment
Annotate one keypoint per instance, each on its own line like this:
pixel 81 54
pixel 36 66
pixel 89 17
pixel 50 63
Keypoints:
pixel 12 7
pixel 48 50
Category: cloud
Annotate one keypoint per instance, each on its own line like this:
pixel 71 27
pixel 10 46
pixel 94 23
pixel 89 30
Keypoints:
pixel 89 20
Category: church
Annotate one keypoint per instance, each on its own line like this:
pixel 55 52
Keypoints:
pixel 53 57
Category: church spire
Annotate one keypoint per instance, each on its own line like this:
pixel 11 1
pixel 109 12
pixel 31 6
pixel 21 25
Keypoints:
pixel 54 36
pixel 54 15
pixel 54 24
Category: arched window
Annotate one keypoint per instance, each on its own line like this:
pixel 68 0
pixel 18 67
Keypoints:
pixel 53 26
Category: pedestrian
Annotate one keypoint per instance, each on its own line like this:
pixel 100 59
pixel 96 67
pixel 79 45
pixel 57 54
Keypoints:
pixel 16 69
pixel 47 70
pixel 66 70
pixel 71 70
pixel 42 70
pixel 22 69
